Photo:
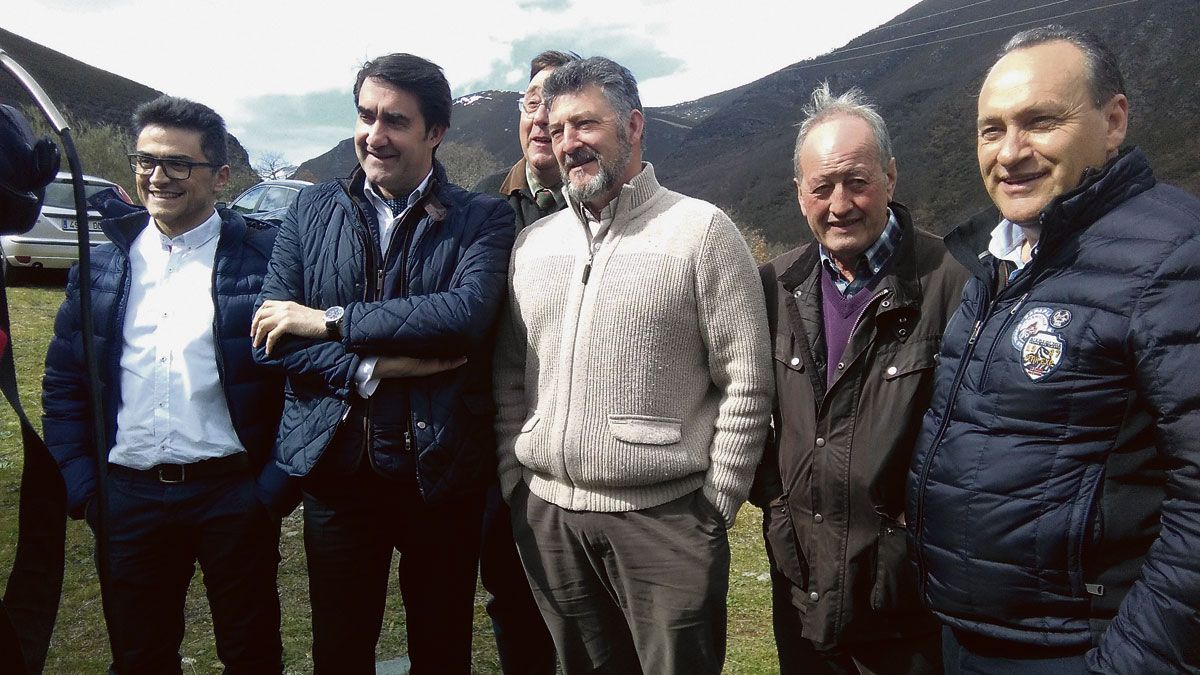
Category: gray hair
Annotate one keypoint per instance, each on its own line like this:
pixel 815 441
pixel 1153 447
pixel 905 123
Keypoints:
pixel 615 80
pixel 1103 71
pixel 824 106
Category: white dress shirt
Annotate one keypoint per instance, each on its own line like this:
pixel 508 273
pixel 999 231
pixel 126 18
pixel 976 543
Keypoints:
pixel 172 408
pixel 1006 242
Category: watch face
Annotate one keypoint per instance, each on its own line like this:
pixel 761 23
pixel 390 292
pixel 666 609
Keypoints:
pixel 334 313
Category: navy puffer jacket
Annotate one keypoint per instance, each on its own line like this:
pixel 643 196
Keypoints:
pixel 436 294
pixel 254 394
pixel 1055 493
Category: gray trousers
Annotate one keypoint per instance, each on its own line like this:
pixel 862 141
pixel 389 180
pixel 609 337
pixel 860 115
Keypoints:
pixel 628 592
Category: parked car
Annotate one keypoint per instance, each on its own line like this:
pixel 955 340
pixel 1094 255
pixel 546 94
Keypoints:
pixel 51 243
pixel 269 200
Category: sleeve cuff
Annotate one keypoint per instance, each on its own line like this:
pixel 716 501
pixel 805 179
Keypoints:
pixel 364 377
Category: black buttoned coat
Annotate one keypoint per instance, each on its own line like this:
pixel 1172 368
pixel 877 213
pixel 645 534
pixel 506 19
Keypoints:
pixel 831 482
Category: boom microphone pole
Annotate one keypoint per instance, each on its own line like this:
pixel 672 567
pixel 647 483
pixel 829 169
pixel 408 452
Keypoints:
pixel 34 587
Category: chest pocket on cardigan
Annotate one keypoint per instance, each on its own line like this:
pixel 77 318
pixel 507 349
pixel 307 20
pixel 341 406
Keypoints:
pixel 645 429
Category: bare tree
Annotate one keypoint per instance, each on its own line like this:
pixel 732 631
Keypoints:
pixel 272 166
pixel 467 164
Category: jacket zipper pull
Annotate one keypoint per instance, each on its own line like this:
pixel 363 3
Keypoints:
pixel 1020 301
pixel 975 332
pixel 379 284
pixel 408 441
pixel 587 269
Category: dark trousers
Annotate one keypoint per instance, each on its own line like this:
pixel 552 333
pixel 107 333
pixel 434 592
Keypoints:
pixel 967 654
pixel 351 526
pixel 629 592
pixel 522 641
pixel 157 533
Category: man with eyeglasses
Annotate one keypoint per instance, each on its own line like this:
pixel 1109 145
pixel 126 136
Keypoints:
pixel 533 185
pixel 190 418
pixel 533 190
pixel 379 306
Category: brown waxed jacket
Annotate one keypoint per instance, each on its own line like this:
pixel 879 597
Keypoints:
pixel 832 478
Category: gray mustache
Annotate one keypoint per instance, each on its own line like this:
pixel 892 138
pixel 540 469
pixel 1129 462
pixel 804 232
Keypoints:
pixel 580 156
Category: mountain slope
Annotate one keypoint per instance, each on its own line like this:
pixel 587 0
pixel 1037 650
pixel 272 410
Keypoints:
pixel 740 156
pixel 87 93
pixel 923 69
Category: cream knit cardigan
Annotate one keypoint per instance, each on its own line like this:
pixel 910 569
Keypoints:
pixel 650 380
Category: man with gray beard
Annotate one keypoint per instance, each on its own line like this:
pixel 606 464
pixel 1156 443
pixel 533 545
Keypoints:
pixel 633 386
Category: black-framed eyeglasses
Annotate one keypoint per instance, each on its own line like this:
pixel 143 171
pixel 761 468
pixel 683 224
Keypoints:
pixel 177 169
pixel 529 105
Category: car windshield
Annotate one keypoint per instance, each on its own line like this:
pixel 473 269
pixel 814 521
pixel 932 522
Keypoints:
pixel 277 198
pixel 62 195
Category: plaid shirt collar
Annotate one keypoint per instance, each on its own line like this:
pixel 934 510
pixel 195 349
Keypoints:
pixel 869 263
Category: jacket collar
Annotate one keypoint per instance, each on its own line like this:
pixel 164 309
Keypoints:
pixel 354 185
pixel 901 274
pixel 1122 177
pixel 432 203
pixel 515 181
pixel 123 230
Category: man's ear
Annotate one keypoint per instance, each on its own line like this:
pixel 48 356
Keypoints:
pixel 891 177
pixel 435 134
pixel 221 176
pixel 1116 115
pixel 800 196
pixel 637 125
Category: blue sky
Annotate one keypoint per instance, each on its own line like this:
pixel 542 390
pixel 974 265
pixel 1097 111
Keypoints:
pixel 281 73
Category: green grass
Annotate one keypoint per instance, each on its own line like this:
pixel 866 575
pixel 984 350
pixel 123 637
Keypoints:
pixel 80 643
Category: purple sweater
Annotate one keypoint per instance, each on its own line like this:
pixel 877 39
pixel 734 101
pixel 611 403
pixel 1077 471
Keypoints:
pixel 840 314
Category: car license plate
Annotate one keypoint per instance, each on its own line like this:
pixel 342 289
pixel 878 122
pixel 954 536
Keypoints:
pixel 69 225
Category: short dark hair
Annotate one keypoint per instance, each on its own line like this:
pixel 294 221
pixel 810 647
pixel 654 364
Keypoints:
pixel 615 80
pixel 180 113
pixel 1103 71
pixel 551 58
pixel 420 77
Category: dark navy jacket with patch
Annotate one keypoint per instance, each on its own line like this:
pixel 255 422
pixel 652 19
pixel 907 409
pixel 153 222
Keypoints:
pixel 1056 484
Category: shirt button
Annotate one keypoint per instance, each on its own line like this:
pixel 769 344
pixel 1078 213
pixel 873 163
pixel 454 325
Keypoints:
pixel 820 442
pixel 818 518
pixel 795 361
pixel 420 425
pixel 814 596
pixel 892 370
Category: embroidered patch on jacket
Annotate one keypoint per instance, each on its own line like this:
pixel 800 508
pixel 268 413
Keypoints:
pixel 1035 321
pixel 1042 354
pixel 1060 318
